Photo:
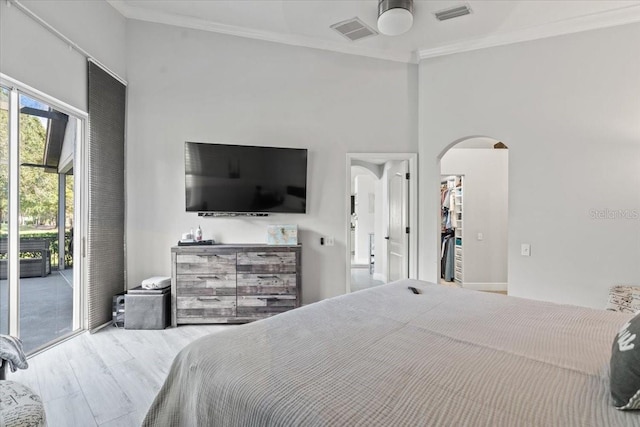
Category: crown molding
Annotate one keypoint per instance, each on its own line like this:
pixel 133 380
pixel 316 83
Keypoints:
pixel 611 18
pixel 141 14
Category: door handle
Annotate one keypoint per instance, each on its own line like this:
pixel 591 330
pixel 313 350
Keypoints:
pixel 208 299
pixel 386 237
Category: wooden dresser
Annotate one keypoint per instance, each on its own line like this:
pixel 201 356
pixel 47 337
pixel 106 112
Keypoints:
pixel 233 283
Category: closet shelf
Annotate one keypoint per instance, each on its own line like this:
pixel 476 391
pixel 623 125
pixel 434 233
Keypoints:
pixel 452 265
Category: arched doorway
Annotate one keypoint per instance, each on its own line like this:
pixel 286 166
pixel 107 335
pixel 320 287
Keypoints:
pixel 474 214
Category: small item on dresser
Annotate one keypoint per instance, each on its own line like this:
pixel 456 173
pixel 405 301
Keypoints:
pixel 199 234
pixel 156 282
pixel 187 237
pixel 282 234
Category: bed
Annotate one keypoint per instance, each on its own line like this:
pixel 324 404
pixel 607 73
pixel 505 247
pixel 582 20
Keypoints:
pixel 387 357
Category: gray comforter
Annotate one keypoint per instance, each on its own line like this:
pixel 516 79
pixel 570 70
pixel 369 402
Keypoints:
pixel 387 357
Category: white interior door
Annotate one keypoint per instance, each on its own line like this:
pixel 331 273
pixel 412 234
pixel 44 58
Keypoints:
pixel 398 238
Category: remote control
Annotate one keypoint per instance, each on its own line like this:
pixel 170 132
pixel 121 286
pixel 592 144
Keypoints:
pixel 414 290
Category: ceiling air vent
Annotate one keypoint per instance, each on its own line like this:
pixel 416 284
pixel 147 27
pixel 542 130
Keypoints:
pixel 453 12
pixel 354 29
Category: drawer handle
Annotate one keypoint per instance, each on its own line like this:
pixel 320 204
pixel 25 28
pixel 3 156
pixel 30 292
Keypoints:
pixel 269 299
pixel 208 277
pixel 208 299
pixel 268 255
pixel 269 277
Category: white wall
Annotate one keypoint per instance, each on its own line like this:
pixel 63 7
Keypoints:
pixel 485 210
pixel 31 54
pixel 199 86
pixel 365 189
pixel 380 266
pixel 568 108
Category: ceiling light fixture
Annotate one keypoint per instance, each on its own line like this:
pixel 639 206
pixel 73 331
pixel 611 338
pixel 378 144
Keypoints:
pixel 395 17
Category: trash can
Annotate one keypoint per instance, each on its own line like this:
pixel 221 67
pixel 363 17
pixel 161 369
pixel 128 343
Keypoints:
pixel 147 308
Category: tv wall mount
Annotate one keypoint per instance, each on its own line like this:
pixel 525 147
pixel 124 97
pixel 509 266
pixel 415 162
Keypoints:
pixel 231 214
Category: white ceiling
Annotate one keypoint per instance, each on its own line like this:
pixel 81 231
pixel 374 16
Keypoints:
pixel 307 22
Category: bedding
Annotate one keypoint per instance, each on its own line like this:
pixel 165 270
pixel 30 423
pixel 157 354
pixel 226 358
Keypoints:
pixel 388 357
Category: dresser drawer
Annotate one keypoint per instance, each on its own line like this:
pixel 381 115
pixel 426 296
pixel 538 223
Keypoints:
pixel 205 264
pixel 206 284
pixel 267 262
pixel 267 284
pixel 266 304
pixel 205 306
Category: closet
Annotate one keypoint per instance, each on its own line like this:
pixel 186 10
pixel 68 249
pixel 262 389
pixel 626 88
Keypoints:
pixel 451 208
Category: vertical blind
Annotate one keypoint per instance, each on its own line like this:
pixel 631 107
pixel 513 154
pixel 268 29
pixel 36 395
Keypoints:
pixel 105 231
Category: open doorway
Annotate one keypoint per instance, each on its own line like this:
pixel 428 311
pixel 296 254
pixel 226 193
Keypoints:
pixel 474 215
pixel 40 284
pixel 381 218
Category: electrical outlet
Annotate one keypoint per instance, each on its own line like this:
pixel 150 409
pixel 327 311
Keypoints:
pixel 329 241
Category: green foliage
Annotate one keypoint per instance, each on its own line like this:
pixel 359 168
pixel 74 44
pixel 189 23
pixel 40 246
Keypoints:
pixel 4 162
pixel 52 236
pixel 38 189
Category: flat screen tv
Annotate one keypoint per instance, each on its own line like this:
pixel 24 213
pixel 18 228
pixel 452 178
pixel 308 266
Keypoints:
pixel 221 178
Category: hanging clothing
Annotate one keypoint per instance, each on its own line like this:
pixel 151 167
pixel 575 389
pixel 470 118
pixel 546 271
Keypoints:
pixel 447 255
pixel 450 262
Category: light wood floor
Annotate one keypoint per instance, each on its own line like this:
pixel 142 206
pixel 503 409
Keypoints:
pixel 108 378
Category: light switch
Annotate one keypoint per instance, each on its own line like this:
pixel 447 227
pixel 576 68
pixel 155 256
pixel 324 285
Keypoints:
pixel 480 236
pixel 525 249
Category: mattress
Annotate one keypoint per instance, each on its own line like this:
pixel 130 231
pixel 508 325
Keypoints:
pixel 387 357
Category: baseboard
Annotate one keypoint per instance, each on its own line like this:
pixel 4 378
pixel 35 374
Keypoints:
pixel 97 328
pixel 380 277
pixel 356 265
pixel 478 286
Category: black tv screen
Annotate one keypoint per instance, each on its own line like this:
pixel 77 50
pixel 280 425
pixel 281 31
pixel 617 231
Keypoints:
pixel 245 179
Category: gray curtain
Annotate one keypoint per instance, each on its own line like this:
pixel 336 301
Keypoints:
pixel 105 238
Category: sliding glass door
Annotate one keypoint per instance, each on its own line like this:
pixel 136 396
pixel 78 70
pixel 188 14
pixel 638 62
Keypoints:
pixel 40 290
pixel 4 208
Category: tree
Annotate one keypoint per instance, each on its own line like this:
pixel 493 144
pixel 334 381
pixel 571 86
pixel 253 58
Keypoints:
pixel 4 154
pixel 38 189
